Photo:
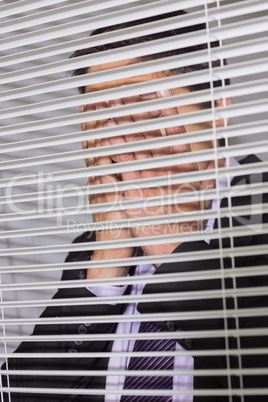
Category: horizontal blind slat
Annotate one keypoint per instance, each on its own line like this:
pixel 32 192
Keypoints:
pixel 251 229
pixel 25 5
pixel 229 31
pixel 168 258
pixel 136 373
pixel 195 18
pixel 233 90
pixel 236 31
pixel 150 335
pixel 170 160
pixel 214 352
pixel 189 315
pixel 232 131
pixel 137 222
pixel 248 47
pixel 204 393
pixel 97 40
pixel 111 18
pixel 120 281
pixel 71 10
pixel 231 151
pixel 200 116
pixel 160 180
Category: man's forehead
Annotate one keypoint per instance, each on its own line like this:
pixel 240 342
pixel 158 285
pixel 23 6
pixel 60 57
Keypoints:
pixel 110 65
pixel 119 82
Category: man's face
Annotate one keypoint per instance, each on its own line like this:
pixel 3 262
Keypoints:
pixel 143 116
pixel 131 192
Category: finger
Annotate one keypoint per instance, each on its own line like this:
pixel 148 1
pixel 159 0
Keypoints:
pixel 140 98
pixel 89 142
pixel 144 115
pixel 88 125
pixel 114 140
pixel 143 154
pixel 164 151
pixel 136 99
pixel 96 198
pixel 90 161
pixel 197 127
pixel 170 112
pixel 139 155
pixel 199 146
pixel 175 149
pixel 93 162
pixel 148 97
pixel 125 157
pixel 99 106
pixel 108 178
pixel 120 120
pixel 97 145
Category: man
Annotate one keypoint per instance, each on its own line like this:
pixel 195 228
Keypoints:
pixel 196 313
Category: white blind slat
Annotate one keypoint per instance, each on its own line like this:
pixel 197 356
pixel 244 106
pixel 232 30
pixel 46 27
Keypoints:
pixel 231 10
pixel 248 47
pixel 165 278
pixel 251 87
pixel 176 179
pixel 59 13
pixel 169 160
pixel 238 130
pixel 218 314
pixel 110 18
pixel 186 256
pixel 219 271
pixel 141 241
pixel 215 352
pixel 160 219
pixel 217 392
pixel 129 52
pixel 245 108
pixel 163 335
pixel 24 6
pixel 136 373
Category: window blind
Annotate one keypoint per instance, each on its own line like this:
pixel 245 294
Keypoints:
pixel 65 334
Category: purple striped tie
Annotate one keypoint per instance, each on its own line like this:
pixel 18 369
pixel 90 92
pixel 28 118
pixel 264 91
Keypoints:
pixel 150 363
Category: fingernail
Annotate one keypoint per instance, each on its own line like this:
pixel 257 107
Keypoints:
pixel 116 102
pixel 99 107
pixel 165 92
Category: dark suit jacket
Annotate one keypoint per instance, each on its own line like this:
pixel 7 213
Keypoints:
pixel 195 325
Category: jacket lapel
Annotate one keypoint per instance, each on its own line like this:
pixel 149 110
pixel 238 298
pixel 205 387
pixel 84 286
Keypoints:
pixel 237 200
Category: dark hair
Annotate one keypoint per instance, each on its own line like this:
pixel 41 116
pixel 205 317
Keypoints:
pixel 173 32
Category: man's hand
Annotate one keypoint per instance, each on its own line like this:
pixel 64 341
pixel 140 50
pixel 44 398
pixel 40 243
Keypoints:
pixel 106 216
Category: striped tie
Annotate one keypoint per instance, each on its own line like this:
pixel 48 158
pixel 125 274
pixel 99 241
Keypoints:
pixel 150 363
